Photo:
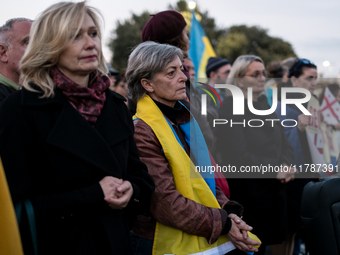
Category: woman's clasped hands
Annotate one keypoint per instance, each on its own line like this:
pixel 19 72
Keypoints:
pixel 238 235
pixel 117 192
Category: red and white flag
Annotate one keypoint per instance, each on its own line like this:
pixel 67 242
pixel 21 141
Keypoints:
pixel 330 108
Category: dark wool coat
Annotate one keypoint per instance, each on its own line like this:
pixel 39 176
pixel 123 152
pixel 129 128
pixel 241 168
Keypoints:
pixel 5 92
pixel 264 200
pixel 302 155
pixel 55 158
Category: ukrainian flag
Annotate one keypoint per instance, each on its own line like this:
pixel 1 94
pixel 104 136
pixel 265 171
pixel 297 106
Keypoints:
pixel 200 48
pixel 10 243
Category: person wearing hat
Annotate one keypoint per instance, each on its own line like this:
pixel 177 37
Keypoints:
pixel 169 27
pixel 217 71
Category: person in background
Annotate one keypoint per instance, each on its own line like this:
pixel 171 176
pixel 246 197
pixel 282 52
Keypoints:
pixel 275 73
pixel 120 86
pixel 285 82
pixel 287 64
pixel 191 69
pixel 263 196
pixel 302 74
pixel 66 141
pixel 169 27
pixel 217 71
pixel 278 74
pixel 191 213
pixel 14 38
pixel 112 75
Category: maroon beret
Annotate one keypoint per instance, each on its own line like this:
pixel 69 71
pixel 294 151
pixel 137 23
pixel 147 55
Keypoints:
pixel 163 27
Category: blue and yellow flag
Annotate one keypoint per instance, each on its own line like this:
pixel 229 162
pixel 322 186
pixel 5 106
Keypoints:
pixel 200 48
pixel 10 243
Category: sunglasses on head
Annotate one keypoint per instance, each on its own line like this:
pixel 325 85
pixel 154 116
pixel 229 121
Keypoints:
pixel 302 61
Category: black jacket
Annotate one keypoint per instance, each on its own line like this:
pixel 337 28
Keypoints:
pixel 264 200
pixel 55 158
pixel 5 92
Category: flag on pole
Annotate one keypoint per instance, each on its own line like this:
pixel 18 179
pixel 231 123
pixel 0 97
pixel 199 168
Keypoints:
pixel 200 48
pixel 10 243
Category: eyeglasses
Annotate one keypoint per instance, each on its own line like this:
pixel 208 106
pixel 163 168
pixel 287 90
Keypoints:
pixel 302 61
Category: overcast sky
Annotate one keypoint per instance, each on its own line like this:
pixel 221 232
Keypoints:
pixel 311 26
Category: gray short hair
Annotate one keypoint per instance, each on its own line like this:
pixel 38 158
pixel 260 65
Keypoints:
pixel 240 66
pixel 5 39
pixel 146 60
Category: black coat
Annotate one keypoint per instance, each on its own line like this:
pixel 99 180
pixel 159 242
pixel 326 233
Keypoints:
pixel 55 158
pixel 264 200
pixel 5 92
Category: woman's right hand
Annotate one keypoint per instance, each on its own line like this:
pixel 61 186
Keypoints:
pixel 117 193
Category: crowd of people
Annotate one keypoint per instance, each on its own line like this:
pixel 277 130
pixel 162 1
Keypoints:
pixel 105 162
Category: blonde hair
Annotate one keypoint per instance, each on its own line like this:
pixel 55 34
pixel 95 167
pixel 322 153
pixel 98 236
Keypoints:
pixel 240 66
pixel 50 34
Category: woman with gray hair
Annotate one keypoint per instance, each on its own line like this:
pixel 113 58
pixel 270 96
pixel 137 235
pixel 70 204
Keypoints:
pixel 251 141
pixel 188 213
pixel 66 142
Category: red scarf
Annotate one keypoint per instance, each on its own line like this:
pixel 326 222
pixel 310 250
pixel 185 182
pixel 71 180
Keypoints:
pixel 89 101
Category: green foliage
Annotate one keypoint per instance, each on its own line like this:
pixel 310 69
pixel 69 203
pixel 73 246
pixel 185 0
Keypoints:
pixel 241 40
pixel 228 43
pixel 232 46
pixel 126 36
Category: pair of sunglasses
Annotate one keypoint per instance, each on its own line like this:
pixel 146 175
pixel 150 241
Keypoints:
pixel 302 61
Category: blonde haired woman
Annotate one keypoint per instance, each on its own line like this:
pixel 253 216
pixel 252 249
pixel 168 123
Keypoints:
pixel 258 144
pixel 66 141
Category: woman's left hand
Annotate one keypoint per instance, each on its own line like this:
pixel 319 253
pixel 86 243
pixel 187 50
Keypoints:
pixel 124 193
